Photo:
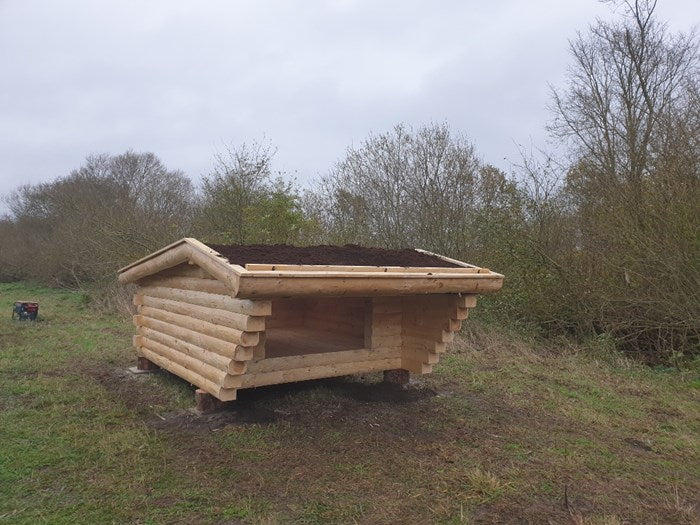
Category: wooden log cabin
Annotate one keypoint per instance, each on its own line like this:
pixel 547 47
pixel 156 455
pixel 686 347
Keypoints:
pixel 227 318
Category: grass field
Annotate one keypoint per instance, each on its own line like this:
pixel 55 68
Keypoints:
pixel 503 432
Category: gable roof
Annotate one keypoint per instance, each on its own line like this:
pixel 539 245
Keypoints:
pixel 277 278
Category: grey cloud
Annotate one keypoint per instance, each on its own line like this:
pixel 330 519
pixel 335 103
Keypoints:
pixel 180 78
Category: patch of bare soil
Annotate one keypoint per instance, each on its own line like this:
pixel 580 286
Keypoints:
pixel 276 403
pixel 136 391
pixel 350 254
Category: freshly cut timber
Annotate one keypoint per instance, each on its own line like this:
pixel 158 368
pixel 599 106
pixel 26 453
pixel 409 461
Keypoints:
pixel 226 318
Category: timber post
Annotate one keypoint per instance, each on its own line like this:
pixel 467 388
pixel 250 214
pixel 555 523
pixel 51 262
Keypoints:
pixel 146 365
pixel 205 403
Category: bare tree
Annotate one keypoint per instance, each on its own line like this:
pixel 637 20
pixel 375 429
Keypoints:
pixel 625 77
pixel 112 209
pixel 629 114
pixel 405 187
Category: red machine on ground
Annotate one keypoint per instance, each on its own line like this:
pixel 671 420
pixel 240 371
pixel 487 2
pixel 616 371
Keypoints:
pixel 25 310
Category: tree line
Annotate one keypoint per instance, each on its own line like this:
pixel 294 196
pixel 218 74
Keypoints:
pixel 604 241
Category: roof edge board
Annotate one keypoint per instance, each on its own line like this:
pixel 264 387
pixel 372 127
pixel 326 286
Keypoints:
pixel 195 252
pixel 188 250
pixel 444 258
pixel 151 255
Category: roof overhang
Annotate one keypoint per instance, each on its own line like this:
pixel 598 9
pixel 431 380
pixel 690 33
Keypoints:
pixel 285 280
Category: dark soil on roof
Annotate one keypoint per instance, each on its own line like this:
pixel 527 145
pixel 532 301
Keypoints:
pixel 348 255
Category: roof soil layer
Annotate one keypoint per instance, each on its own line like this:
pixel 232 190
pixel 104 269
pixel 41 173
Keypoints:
pixel 348 255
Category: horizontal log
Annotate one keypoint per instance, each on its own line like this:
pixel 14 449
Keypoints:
pixel 214 263
pixel 221 302
pixel 195 284
pixel 428 303
pixel 328 306
pixel 325 304
pixel 224 333
pixel 235 320
pixel 429 332
pixel 252 285
pixel 453 325
pixel 180 371
pixel 237 368
pixel 167 259
pixel 321 359
pixel 419 343
pixel 425 320
pixel 447 320
pixel 452 273
pixel 316 372
pixel 368 269
pixel 382 341
pixel 223 363
pixel 335 321
pixel 207 342
pixel 416 367
pixel 460 313
pixel 466 301
pixel 386 330
pixel 422 356
pixel 387 318
pixel 207 371
pixel 325 333
pixel 386 305
pixel 440 301
pixel 194 351
pixel 202 368
pixel 426 312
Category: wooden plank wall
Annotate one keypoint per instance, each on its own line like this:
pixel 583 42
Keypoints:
pixel 188 324
pixel 287 313
pixel 343 316
pixel 407 332
pixel 334 318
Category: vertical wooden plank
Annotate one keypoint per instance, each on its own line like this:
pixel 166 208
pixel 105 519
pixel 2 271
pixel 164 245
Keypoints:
pixel 385 322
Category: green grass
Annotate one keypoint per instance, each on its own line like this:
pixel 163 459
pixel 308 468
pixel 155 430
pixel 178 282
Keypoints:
pixel 498 433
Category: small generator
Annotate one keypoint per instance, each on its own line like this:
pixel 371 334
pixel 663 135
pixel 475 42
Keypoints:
pixel 25 310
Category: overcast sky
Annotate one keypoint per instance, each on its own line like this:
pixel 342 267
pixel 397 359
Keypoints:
pixel 183 78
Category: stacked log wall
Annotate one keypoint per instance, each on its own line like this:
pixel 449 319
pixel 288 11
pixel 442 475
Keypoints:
pixel 188 323
pixel 429 323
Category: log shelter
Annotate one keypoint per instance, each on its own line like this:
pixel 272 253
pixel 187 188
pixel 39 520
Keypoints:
pixel 225 325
